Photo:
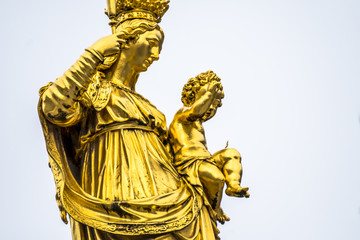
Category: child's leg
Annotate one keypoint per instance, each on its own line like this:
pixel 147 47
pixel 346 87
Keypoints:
pixel 213 181
pixel 229 160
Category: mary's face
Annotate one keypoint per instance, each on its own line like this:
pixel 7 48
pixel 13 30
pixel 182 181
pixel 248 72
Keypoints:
pixel 146 50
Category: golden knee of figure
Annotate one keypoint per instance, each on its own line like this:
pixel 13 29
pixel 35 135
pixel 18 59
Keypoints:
pixel 229 160
pixel 223 156
pixel 211 173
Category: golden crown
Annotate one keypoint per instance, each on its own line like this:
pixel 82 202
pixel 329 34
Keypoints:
pixel 121 10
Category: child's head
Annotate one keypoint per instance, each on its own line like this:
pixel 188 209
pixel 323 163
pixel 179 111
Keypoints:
pixel 192 87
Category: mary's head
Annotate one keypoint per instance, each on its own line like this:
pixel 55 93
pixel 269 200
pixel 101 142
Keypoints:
pixel 140 46
pixel 143 42
pixel 136 24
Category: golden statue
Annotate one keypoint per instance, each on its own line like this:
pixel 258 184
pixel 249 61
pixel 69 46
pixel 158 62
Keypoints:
pixel 110 151
pixel 207 173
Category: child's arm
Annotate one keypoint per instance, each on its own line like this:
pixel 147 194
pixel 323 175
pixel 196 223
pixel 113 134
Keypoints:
pixel 203 101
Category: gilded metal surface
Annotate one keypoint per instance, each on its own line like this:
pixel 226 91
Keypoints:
pixel 116 169
pixel 201 97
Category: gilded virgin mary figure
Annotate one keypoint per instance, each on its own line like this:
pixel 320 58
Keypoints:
pixel 108 145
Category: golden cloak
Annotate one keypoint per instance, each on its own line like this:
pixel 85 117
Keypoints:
pixel 112 171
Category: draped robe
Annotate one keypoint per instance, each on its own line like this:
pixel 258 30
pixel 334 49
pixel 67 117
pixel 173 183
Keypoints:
pixel 111 164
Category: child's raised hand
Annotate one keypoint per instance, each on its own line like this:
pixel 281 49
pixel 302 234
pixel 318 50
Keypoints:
pixel 213 86
pixel 213 89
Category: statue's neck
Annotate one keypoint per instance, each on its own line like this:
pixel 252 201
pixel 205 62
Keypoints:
pixel 123 72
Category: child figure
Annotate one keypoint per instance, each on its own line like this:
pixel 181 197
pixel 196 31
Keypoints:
pixel 201 97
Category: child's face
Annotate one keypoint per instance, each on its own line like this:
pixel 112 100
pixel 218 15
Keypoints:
pixel 213 108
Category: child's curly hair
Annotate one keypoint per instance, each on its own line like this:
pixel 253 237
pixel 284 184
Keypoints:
pixel 194 84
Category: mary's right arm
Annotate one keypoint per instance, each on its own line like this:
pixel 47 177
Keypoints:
pixel 61 101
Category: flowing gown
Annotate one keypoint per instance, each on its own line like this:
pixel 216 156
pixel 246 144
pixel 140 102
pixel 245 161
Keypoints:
pixel 112 167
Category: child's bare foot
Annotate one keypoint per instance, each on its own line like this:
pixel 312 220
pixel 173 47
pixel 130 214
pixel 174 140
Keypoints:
pixel 237 191
pixel 221 216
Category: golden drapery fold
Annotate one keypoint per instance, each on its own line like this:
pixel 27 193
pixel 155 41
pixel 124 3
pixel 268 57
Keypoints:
pixel 113 172
pixel 177 213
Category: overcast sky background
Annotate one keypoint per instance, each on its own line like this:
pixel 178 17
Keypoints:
pixel 290 70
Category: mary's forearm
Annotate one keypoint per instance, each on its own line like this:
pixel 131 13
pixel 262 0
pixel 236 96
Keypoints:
pixel 61 101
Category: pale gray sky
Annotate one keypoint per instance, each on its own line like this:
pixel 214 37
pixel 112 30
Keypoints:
pixel 290 70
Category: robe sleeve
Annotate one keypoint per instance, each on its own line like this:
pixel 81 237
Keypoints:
pixel 61 101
